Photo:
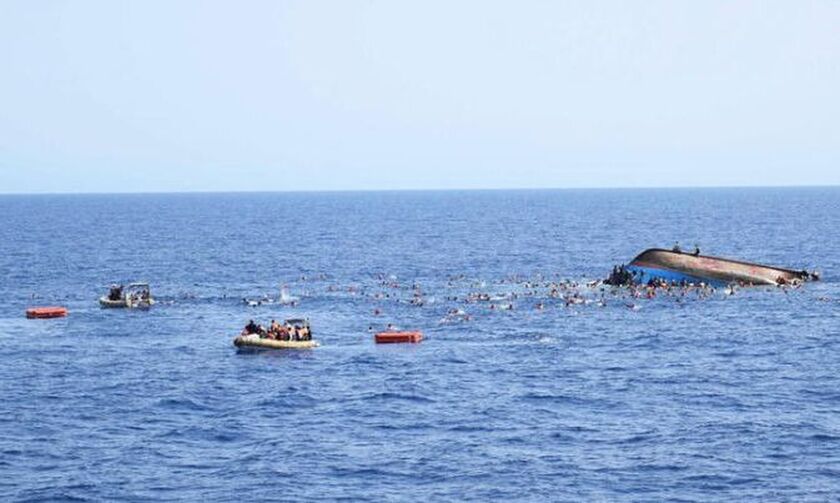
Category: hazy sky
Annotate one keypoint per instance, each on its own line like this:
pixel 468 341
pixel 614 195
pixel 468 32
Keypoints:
pixel 105 96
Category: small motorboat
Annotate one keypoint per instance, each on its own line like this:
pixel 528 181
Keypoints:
pixel 134 296
pixel 398 337
pixel 46 312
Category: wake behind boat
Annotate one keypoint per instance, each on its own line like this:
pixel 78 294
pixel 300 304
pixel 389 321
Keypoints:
pixel 676 266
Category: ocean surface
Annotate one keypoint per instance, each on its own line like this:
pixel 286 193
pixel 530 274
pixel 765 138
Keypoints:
pixel 515 397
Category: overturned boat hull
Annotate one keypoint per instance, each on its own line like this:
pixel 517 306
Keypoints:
pixel 255 342
pixel 673 266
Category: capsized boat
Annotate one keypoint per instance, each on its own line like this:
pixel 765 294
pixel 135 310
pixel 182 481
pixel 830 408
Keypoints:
pixel 134 296
pixel 677 266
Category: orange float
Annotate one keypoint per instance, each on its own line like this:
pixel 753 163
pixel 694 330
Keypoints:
pixel 398 337
pixel 46 312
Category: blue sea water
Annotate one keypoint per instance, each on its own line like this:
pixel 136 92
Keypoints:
pixel 727 398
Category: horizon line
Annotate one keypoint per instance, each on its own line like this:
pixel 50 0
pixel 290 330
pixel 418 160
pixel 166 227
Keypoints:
pixel 454 189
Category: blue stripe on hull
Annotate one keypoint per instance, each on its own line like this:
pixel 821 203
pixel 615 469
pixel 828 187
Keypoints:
pixel 645 274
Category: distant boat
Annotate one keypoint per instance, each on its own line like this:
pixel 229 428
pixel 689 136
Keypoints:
pixel 134 296
pixel 677 266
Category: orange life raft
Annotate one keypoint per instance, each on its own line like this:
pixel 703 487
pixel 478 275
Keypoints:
pixel 397 337
pixel 46 312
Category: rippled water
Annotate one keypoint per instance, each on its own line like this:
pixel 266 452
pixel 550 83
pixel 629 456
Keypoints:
pixel 729 398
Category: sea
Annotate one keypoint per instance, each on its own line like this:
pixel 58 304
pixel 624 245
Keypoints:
pixel 514 394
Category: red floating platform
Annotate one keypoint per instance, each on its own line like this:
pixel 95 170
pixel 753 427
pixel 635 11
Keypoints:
pixel 46 312
pixel 398 337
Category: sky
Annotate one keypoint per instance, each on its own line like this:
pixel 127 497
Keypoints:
pixel 178 95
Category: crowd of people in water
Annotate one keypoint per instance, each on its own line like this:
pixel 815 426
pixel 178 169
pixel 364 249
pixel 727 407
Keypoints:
pixel 514 294
pixel 461 299
pixel 297 330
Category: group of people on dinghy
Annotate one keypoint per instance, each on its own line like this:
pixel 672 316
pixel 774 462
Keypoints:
pixel 291 330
